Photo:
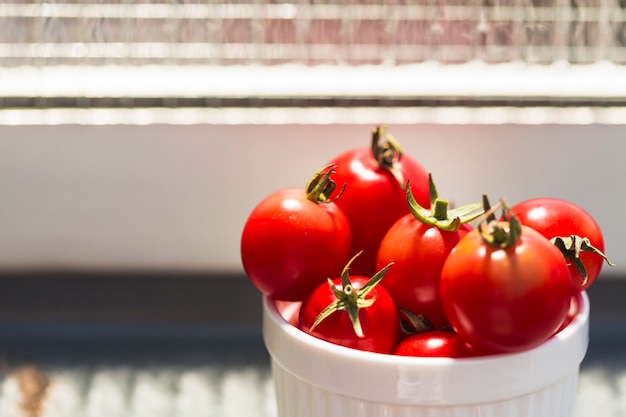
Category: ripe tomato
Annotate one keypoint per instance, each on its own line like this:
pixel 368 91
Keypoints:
pixel 375 197
pixel 553 218
pixel 294 239
pixel 508 295
pixel 435 343
pixel 418 244
pixel 573 310
pixel 354 312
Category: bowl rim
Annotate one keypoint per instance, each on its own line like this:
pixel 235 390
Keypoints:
pixel 348 371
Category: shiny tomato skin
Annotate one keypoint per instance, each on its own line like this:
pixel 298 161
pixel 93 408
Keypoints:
pixel 290 244
pixel 554 217
pixel 505 300
pixel 418 251
pixel 572 312
pixel 379 321
pixel 435 343
pixel 374 199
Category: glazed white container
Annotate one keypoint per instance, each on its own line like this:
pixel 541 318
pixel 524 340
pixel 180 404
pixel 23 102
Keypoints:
pixel 314 378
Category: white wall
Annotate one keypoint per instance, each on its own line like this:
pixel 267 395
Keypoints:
pixel 176 197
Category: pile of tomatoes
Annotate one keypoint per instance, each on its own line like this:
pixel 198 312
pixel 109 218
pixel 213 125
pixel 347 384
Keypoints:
pixel 381 263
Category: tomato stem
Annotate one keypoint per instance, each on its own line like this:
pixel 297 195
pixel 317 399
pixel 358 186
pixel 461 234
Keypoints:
pixel 571 247
pixel 499 233
pixel 350 300
pixel 439 214
pixel 321 186
pixel 387 153
pixel 440 209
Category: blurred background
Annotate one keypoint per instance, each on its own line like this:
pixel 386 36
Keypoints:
pixel 136 137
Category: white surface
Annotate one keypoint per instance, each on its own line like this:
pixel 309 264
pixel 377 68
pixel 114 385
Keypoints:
pixel 176 196
pixel 126 391
pixel 115 391
pixel 428 79
pixel 279 116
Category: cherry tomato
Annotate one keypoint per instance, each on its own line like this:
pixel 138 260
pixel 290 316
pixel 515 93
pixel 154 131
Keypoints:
pixel 355 312
pixel 573 310
pixel 505 295
pixel 435 343
pixel 419 252
pixel 375 197
pixel 553 218
pixel 418 244
pixel 294 239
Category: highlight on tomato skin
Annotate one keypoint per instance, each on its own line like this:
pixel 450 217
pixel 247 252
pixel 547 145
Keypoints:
pixel 572 312
pixel 435 343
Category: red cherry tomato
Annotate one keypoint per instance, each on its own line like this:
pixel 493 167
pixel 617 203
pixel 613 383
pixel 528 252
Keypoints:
pixel 573 310
pixel 418 251
pixel 554 217
pixel 419 244
pixel 505 299
pixel 374 198
pixel 373 326
pixel 436 343
pixel 292 241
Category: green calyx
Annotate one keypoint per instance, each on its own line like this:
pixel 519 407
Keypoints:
pixel 502 233
pixel 349 299
pixel 571 248
pixel 439 214
pixel 321 186
pixel 387 153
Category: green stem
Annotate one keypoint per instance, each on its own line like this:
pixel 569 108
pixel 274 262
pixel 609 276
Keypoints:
pixel 571 248
pixel 440 209
pixel 349 299
pixel 387 153
pixel 439 214
pixel 321 186
pixel 499 233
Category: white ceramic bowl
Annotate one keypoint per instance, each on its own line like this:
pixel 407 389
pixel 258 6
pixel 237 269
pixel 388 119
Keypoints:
pixel 314 378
